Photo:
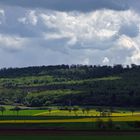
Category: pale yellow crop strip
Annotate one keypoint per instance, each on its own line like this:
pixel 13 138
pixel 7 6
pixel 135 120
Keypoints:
pixel 80 113
pixel 42 113
pixel 116 119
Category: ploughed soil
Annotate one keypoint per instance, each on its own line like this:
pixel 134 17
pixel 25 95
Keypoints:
pixel 49 132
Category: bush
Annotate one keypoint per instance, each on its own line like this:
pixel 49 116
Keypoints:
pixel 100 124
pixel 110 123
pixel 35 102
pixel 117 127
pixel 47 103
pixel 137 124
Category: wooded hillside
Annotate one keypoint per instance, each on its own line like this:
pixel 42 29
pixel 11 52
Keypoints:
pixel 71 85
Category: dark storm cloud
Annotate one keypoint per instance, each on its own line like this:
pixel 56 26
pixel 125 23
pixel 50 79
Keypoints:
pixel 69 5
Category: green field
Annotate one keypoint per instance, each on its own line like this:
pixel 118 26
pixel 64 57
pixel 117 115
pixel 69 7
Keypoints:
pixel 57 112
pixel 56 115
pixel 69 120
pixel 43 80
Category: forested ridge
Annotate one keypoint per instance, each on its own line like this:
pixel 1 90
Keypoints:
pixel 71 85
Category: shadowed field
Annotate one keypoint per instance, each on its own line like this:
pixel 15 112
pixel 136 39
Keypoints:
pixel 69 137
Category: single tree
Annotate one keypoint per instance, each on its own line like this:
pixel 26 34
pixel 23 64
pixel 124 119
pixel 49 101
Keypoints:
pixel 75 109
pixel 111 109
pixel 87 110
pixel 132 111
pixel 69 109
pixel 100 110
pixel 83 110
pixel 17 109
pixel 50 110
pixel 2 109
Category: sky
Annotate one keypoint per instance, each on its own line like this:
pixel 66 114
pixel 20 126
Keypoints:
pixel 52 32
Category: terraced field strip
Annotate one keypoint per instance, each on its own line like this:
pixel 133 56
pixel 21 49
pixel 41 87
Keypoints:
pixel 115 119
pixel 45 113
pixel 80 113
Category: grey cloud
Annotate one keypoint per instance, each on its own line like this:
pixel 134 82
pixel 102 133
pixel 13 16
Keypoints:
pixel 69 37
pixel 69 5
pixel 14 30
pixel 134 4
pixel 131 30
pixel 98 44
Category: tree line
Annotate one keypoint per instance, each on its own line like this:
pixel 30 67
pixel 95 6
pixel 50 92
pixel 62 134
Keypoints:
pixel 68 71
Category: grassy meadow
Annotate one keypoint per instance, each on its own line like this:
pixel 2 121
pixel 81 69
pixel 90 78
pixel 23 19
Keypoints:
pixel 55 111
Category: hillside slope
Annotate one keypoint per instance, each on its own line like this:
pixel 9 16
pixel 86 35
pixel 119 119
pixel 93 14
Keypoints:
pixel 71 85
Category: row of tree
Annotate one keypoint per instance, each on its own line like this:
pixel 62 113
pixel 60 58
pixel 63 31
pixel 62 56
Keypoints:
pixel 3 109
pixel 85 110
pixel 72 71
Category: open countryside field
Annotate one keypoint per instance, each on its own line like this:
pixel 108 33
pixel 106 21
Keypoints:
pixel 114 119
pixel 91 113
pixel 58 112
pixel 9 112
pixel 64 116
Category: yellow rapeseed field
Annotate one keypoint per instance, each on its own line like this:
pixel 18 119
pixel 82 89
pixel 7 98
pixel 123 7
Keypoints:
pixel 80 113
pixel 115 119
